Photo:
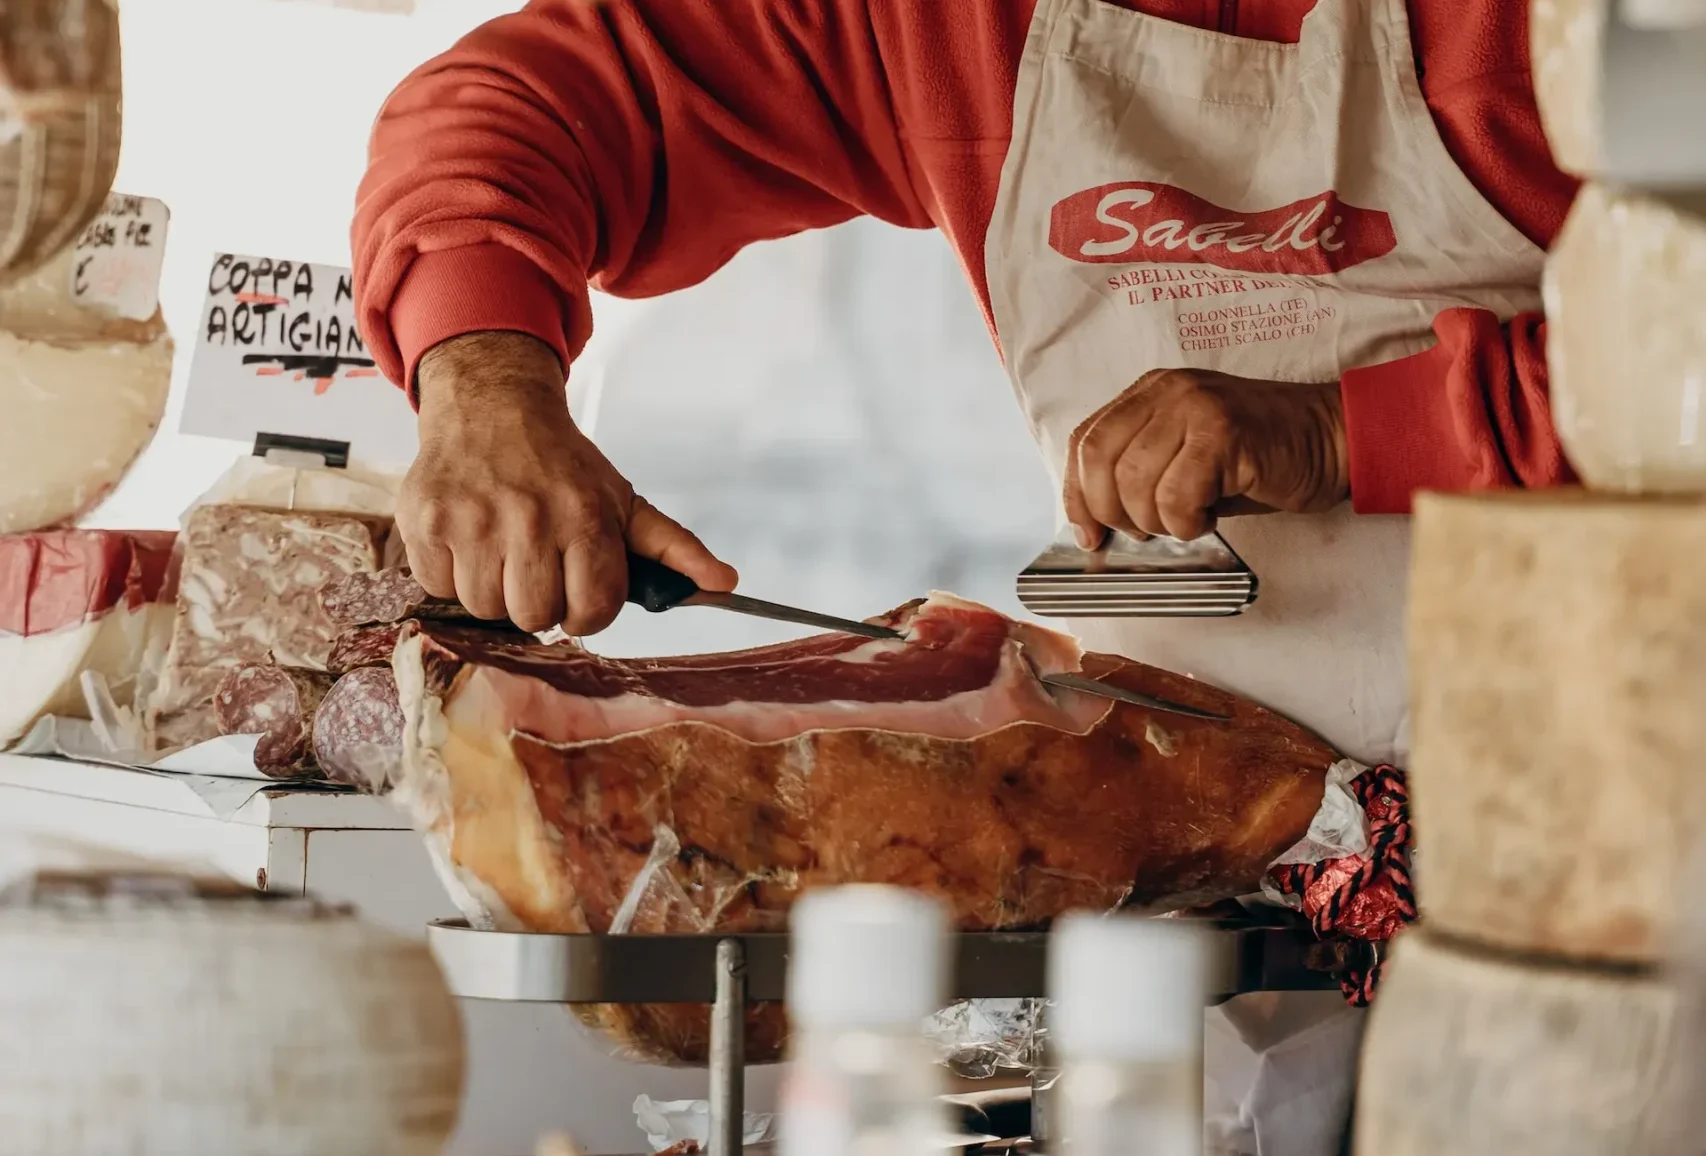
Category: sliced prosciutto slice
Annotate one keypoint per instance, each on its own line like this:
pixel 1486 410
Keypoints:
pixel 563 791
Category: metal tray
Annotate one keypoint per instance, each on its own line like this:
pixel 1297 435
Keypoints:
pixel 730 971
pixel 536 968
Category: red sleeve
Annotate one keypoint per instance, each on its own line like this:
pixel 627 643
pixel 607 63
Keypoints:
pixel 1472 413
pixel 633 144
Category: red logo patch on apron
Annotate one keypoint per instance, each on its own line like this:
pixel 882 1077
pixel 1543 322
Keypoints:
pixel 1141 221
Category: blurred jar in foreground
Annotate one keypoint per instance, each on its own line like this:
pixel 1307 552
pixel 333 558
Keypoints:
pixel 1626 342
pixel 869 964
pixel 1127 1031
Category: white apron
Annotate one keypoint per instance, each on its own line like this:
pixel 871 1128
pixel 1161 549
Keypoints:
pixel 1180 198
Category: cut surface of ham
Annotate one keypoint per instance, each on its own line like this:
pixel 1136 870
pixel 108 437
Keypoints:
pixel 565 792
pixel 961 672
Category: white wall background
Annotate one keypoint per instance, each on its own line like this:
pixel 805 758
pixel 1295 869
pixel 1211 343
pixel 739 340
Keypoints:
pixel 827 412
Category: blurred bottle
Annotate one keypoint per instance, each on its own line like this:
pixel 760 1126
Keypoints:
pixel 869 964
pixel 1126 1028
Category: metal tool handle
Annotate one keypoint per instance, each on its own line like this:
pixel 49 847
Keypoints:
pixel 655 586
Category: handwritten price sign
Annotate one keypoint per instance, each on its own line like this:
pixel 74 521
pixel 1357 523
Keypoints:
pixel 116 263
pixel 279 352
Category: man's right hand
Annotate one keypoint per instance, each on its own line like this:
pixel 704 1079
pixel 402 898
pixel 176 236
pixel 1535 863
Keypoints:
pixel 511 509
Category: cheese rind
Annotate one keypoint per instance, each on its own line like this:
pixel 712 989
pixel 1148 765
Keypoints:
pixel 1626 342
pixel 1475 1055
pixel 1558 689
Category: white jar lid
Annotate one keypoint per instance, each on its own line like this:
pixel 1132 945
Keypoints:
pixel 1127 988
pixel 867 956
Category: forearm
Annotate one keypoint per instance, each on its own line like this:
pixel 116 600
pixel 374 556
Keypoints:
pixel 1472 413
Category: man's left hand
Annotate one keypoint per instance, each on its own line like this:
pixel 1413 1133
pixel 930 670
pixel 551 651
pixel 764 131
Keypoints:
pixel 1183 446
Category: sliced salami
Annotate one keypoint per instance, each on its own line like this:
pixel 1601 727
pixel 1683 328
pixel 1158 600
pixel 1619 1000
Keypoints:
pixel 278 703
pixel 358 730
pixel 383 597
pixel 364 646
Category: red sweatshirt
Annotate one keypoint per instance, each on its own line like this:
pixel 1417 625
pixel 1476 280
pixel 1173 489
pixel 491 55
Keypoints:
pixel 638 144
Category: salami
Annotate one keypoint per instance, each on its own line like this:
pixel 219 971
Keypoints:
pixel 363 646
pixel 277 703
pixel 384 597
pixel 358 730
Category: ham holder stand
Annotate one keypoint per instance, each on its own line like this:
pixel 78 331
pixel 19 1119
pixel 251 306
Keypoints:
pixel 731 971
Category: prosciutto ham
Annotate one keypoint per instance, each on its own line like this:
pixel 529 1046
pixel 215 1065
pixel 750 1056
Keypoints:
pixel 562 791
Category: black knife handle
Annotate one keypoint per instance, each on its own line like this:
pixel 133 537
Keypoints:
pixel 655 586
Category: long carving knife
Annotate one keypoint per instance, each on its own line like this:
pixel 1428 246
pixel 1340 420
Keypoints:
pixel 657 588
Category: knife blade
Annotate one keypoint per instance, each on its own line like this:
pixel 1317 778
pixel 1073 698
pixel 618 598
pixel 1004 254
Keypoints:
pixel 657 588
pixel 1120 694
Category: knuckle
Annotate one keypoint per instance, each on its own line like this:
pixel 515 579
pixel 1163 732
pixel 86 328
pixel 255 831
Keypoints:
pixel 527 512
pixel 428 517
pixel 581 509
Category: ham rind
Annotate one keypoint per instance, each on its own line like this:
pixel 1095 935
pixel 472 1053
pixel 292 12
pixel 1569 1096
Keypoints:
pixel 565 792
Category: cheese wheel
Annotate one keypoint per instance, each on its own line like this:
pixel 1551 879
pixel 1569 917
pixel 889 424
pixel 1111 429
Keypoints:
pixel 82 391
pixel 1558 717
pixel 60 91
pixel 158 1016
pixel 1565 38
pixel 1626 342
pixel 1471 1055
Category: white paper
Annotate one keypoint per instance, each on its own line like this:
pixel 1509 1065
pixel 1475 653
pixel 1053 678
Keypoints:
pixel 278 351
pixel 668 1122
pixel 220 772
pixel 116 262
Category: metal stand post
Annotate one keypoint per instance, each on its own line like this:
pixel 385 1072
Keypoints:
pixel 728 1051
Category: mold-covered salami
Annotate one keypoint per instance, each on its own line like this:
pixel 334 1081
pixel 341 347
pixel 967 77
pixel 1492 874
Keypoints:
pixel 386 596
pixel 363 646
pixel 358 730
pixel 277 703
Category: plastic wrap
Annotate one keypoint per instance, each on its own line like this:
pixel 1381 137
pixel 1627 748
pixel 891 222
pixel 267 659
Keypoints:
pixel 564 792
pixel 253 554
pixel 60 117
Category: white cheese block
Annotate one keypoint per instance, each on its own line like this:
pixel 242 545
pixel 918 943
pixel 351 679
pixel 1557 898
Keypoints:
pixel 1470 1055
pixel 1565 37
pixel 79 600
pixel 40 673
pixel 162 1026
pixel 1626 342
pixel 1558 717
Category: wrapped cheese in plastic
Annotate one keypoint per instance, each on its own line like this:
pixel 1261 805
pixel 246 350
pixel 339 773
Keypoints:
pixel 253 555
pixel 76 601
pixel 59 124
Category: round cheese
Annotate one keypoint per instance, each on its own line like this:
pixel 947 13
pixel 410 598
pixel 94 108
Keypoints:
pixel 1471 1055
pixel 1558 695
pixel 153 1018
pixel 1626 342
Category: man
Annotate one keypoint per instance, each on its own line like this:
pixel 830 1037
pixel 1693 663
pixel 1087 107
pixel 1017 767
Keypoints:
pixel 1241 256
